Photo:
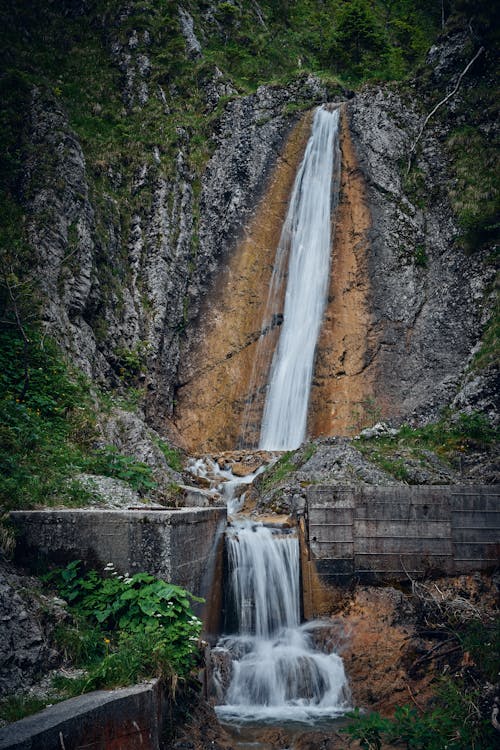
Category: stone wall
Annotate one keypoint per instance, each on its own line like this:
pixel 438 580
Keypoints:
pixel 176 545
pixel 390 533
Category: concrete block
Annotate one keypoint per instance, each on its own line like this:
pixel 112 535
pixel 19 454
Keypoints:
pixel 125 719
pixel 175 545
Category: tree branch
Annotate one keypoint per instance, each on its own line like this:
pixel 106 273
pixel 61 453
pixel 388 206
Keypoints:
pixel 26 341
pixel 440 104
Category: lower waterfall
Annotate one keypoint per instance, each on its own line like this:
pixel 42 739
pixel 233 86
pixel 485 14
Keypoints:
pixel 276 673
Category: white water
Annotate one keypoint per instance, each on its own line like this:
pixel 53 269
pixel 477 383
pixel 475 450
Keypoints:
pixel 224 482
pixel 277 675
pixel 305 241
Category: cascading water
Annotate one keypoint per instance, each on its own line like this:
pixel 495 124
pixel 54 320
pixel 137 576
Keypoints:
pixel 304 250
pixel 277 675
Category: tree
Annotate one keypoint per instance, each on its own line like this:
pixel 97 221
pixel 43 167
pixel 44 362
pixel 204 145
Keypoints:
pixel 359 32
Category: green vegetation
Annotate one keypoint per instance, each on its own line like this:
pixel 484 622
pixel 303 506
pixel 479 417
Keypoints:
pixel 46 424
pixel 278 471
pixel 489 352
pixel 126 628
pixel 122 630
pixel 474 191
pixel 173 456
pixel 455 723
pixel 449 437
pixel 459 717
pixel 109 462
pixel 48 431
pixel 15 707
pixel 353 41
pixel 421 258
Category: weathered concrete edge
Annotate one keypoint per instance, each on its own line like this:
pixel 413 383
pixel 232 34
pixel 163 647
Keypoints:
pixel 176 545
pixel 167 516
pixel 101 715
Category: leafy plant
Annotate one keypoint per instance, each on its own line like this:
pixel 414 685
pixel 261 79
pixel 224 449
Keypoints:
pixel 131 360
pixel 173 456
pixel 367 729
pixel 110 462
pixel 129 626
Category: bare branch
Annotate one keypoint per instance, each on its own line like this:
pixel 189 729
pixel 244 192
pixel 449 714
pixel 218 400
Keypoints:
pixel 24 336
pixel 440 104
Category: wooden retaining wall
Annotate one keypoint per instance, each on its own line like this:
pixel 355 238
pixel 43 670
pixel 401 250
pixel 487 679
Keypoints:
pixel 388 533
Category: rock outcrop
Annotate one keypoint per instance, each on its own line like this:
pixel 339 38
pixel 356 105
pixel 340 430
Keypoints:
pixel 426 292
pixel 27 617
pixel 128 251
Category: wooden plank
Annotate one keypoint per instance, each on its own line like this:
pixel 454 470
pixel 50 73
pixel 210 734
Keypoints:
pixel 476 518
pixel 331 533
pixel 476 535
pixel 405 529
pixel 402 545
pixel 392 564
pixel 331 550
pixel 344 515
pixel 476 551
pixel 405 511
pixel 477 503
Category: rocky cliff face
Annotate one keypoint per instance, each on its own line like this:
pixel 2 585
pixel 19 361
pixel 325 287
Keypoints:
pixel 431 293
pixel 126 252
pixel 122 283
pixel 426 292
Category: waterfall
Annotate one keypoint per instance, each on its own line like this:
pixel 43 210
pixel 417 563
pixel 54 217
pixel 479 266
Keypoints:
pixel 276 672
pixel 303 255
pixel 266 667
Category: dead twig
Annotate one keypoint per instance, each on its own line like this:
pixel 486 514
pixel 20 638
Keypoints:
pixel 412 696
pixel 429 655
pixel 440 104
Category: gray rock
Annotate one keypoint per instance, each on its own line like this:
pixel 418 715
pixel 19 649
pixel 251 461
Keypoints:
pixel 109 492
pixel 27 618
pixel 378 430
pixel 187 28
pixel 337 461
pixel 128 432
pixel 479 392
pixel 425 314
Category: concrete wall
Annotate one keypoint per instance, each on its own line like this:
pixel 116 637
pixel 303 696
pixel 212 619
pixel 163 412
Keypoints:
pixel 386 532
pixel 176 545
pixel 125 719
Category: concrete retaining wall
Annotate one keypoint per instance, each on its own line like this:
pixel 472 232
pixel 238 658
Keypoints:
pixel 386 532
pixel 176 545
pixel 126 719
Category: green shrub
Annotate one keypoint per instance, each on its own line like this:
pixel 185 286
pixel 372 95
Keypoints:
pixel 173 456
pixel 127 627
pixel 46 423
pixel 110 462
pixel 454 723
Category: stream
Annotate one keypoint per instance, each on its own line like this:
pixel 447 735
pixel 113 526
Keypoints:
pixel 267 670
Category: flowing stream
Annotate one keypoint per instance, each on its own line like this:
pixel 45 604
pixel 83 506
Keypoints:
pixel 276 673
pixel 267 667
pixel 303 263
